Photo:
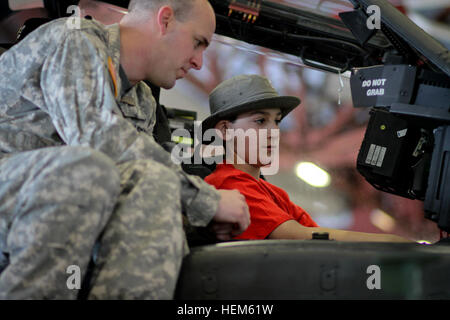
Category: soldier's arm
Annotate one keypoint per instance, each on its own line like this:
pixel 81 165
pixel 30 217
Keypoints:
pixel 79 98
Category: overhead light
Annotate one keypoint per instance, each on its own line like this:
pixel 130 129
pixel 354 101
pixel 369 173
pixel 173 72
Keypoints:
pixel 313 174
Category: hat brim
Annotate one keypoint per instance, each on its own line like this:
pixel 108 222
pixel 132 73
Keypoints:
pixel 285 103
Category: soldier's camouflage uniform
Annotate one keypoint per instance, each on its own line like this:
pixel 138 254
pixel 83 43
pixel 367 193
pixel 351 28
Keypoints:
pixel 78 161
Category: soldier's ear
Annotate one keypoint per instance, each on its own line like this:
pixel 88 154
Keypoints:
pixel 165 17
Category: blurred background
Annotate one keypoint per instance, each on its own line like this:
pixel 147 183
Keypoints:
pixel 320 140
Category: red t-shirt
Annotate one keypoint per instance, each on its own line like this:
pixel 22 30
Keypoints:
pixel 269 205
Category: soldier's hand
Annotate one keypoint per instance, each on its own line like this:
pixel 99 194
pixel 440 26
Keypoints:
pixel 232 217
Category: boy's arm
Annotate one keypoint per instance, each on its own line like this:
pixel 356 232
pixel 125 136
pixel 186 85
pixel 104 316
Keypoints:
pixel 293 230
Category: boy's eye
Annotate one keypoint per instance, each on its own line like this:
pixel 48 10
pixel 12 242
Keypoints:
pixel 260 121
pixel 277 122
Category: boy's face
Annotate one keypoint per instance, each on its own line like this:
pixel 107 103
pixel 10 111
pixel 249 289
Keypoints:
pixel 258 131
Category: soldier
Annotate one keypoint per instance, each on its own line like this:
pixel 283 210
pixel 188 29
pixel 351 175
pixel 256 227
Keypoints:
pixel 79 165
pixel 249 103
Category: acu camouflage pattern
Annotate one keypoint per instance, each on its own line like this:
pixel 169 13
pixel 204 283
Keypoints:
pixel 54 203
pixel 75 156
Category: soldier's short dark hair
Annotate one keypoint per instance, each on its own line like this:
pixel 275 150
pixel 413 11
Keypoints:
pixel 181 8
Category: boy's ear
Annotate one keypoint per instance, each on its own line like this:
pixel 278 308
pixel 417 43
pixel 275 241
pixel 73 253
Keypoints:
pixel 222 127
pixel 165 17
